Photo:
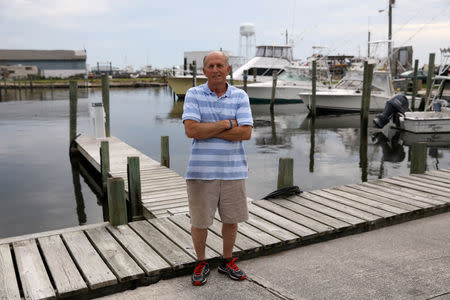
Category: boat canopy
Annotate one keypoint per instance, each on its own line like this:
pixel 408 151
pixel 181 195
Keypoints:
pixel 275 51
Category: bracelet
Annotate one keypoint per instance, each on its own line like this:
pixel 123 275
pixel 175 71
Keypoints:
pixel 231 124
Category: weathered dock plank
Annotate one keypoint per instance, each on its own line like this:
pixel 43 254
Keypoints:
pixel 35 280
pixel 390 194
pixel 9 288
pixel 356 202
pixel 167 249
pixel 280 233
pixel 118 260
pixel 318 216
pixel 67 278
pixel 307 222
pixel 180 237
pixel 144 255
pixel 300 230
pixel 246 244
pixel 375 199
pixel 407 192
pixel 94 270
pixel 213 241
pixel 306 201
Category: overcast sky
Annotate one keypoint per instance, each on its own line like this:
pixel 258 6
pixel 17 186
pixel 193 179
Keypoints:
pixel 140 32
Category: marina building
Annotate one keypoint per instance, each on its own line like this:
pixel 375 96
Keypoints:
pixel 50 63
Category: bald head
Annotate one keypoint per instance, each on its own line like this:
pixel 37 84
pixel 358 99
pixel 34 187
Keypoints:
pixel 215 53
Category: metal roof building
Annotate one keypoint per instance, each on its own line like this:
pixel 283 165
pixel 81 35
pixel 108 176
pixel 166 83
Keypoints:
pixel 51 63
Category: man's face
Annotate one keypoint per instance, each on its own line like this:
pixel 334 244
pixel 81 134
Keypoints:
pixel 216 68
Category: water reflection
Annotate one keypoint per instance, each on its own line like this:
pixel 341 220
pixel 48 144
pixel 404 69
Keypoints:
pixel 75 164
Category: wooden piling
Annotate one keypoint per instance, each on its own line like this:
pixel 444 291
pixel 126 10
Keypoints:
pixel 194 73
pixel 312 140
pixel 31 82
pixel 313 90
pixel 365 99
pixel 117 202
pixel 73 97
pixel 104 162
pixel 414 88
pixel 165 155
pixel 254 74
pixel 231 75
pixel 134 186
pixel 285 172
pixel 274 89
pixel 405 86
pixel 429 79
pixel 245 80
pixel 418 158
pixel 105 99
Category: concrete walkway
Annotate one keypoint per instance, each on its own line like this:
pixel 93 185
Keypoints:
pixel 406 261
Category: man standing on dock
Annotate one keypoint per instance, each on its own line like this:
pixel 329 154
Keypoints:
pixel 218 117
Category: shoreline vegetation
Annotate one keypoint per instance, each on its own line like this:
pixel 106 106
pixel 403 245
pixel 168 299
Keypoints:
pixel 83 83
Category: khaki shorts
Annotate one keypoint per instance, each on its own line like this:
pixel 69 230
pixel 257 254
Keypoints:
pixel 205 196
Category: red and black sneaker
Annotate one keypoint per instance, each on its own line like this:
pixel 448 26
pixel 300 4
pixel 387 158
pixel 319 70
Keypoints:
pixel 227 266
pixel 201 272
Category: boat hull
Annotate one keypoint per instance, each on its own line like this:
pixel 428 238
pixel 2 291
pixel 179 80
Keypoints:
pixel 346 102
pixel 426 122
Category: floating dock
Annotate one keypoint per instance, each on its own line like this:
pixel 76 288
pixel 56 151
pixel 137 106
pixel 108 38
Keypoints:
pixel 93 260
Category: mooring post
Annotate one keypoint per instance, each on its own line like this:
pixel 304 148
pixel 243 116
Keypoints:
pixel 134 186
pixel 104 162
pixel 105 99
pixel 185 66
pixel 117 202
pixel 165 155
pixel 245 80
pixel 73 97
pixel 254 74
pixel 285 172
pixel 414 89
pixel 31 82
pixel 194 73
pixel 405 86
pixel 274 88
pixel 231 75
pixel 313 90
pixel 365 100
pixel 418 158
pixel 429 79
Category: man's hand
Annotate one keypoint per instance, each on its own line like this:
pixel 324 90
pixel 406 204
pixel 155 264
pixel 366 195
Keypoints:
pixel 198 131
pixel 238 133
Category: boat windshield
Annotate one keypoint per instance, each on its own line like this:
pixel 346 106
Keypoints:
pixel 275 51
pixel 354 80
pixel 295 74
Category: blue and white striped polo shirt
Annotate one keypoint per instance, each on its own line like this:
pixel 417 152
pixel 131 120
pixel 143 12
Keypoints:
pixel 215 158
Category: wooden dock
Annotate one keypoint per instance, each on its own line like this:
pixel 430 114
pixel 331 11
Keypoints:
pixel 93 260
pixel 163 191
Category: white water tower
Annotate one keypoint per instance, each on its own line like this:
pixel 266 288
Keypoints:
pixel 247 30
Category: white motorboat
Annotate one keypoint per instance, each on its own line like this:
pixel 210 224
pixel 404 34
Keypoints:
pixel 268 58
pixel 289 84
pixel 347 94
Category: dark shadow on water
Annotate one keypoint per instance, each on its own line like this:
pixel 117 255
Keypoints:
pixel 80 166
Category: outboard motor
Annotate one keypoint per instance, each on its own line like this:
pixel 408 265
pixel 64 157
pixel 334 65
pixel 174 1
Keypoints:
pixel 395 107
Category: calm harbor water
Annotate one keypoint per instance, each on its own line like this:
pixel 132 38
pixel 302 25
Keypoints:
pixel 38 190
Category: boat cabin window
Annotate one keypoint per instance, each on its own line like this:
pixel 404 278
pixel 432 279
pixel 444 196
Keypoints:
pixel 263 71
pixel 275 51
